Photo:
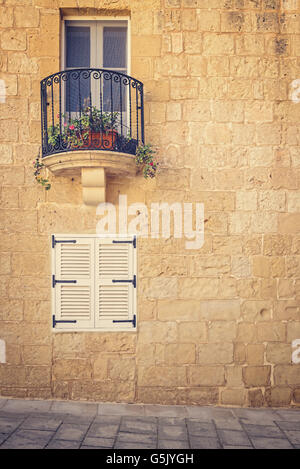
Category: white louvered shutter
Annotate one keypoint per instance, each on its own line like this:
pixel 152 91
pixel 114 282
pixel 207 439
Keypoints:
pixel 73 283
pixel 115 286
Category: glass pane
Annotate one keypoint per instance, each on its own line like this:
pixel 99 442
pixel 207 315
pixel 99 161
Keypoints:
pixel 77 56
pixel 78 92
pixel 114 47
pixel 78 46
pixel 114 94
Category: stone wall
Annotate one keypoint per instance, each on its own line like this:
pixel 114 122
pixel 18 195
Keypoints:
pixel 215 325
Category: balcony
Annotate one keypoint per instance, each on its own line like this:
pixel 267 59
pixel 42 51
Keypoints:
pixel 92 122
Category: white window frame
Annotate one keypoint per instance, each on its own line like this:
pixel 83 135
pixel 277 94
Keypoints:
pixel 100 20
pixel 116 327
pixel 83 20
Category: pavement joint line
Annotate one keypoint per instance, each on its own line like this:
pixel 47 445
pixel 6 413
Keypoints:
pixel 217 432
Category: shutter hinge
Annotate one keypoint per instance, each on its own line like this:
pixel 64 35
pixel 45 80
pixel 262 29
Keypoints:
pixel 55 241
pixel 127 320
pixel 133 281
pixel 54 281
pixel 132 241
pixel 54 321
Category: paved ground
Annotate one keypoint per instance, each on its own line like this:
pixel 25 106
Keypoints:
pixel 72 425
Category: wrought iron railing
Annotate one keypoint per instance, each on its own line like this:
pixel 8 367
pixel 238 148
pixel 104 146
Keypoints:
pixel 91 109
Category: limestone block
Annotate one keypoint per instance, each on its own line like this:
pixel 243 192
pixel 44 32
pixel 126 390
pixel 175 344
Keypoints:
pixel 12 375
pixel 218 354
pixel 9 132
pixel 195 332
pixel 255 398
pixel 182 310
pixel 30 264
pixel 246 333
pixel 19 221
pixel 256 310
pixel 228 245
pixel 279 353
pixel 278 396
pixel 209 265
pixel 252 245
pixel 233 375
pixel 184 88
pixel 157 332
pixel 159 287
pixel 37 310
pixel 37 376
pixel 197 65
pixel 65 369
pixel 293 330
pixel 5 154
pixel 287 375
pixel 70 345
pixel 26 17
pixel 289 223
pixel 293 201
pixel 180 354
pixel 146 46
pixel 121 369
pixel 255 354
pixel 217 67
pixel 11 310
pixel 256 376
pixel 206 375
pixel 278 244
pixel 271 331
pixel 162 376
pixel 197 288
pixel 6 17
pixel 174 111
pixel 12 39
pixel 222 331
pixel 19 62
pixel 286 288
pixel 239 353
pixel 218 44
pixel 240 266
pixel 107 342
pixel 235 397
pixel 103 391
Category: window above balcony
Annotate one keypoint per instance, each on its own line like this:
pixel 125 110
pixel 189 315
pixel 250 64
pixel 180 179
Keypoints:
pixel 92 112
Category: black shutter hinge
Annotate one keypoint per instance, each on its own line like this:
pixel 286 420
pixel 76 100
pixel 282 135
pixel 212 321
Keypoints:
pixel 54 281
pixel 133 281
pixel 132 241
pixel 54 321
pixel 56 241
pixel 133 321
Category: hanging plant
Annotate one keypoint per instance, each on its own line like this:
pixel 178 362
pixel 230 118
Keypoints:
pixel 39 167
pixel 145 157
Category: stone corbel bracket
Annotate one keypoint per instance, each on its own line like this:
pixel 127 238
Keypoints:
pixel 93 167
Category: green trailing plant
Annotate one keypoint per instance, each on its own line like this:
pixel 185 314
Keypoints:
pixel 145 157
pixel 39 167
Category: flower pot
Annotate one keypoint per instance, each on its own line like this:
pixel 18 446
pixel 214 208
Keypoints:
pixel 96 140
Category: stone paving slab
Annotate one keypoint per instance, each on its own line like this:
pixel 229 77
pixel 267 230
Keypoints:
pixel 36 424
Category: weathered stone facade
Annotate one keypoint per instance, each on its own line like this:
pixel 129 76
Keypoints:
pixel 215 325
